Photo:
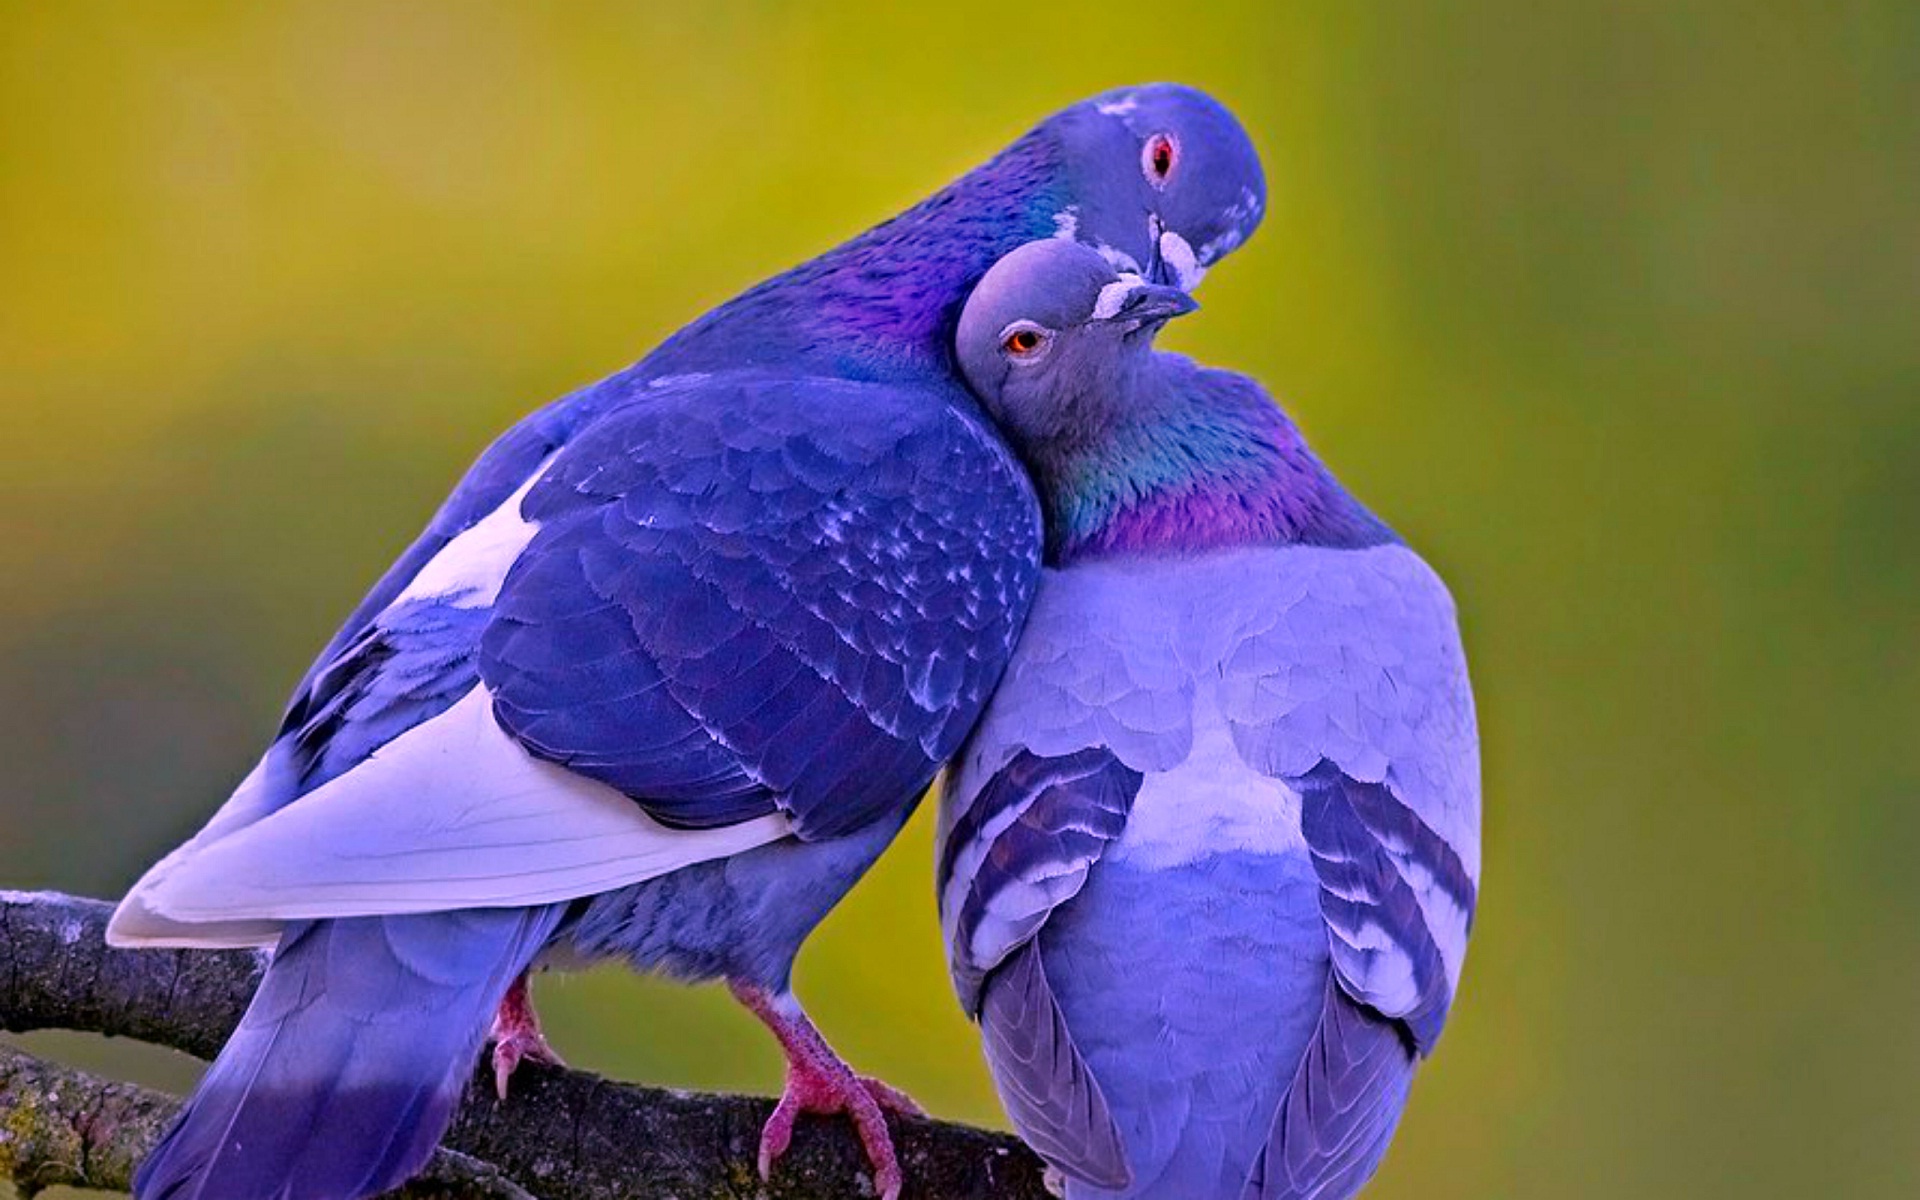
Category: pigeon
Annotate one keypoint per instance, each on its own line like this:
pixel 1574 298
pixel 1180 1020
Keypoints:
pixel 1207 864
pixel 664 675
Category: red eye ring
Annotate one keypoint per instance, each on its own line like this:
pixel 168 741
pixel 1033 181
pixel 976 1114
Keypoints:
pixel 1022 342
pixel 1159 155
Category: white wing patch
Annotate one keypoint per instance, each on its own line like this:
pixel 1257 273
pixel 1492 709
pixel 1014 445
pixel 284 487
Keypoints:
pixel 135 924
pixel 454 813
pixel 469 570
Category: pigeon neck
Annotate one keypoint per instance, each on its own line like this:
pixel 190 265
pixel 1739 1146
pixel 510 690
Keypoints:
pixel 1205 461
pixel 884 305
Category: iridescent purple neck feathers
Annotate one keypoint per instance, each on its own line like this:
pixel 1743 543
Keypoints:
pixel 884 305
pixel 1199 460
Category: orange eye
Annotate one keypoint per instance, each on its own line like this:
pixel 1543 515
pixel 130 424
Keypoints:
pixel 1157 158
pixel 1022 341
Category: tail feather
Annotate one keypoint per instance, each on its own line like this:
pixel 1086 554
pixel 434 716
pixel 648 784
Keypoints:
pixel 345 1072
pixel 1339 1115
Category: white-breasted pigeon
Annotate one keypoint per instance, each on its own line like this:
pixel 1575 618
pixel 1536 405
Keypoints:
pixel 1208 863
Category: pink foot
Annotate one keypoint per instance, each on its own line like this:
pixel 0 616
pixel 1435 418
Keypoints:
pixel 819 1081
pixel 516 1036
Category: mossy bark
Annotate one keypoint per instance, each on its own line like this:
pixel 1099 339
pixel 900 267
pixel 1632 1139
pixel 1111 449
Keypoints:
pixel 562 1135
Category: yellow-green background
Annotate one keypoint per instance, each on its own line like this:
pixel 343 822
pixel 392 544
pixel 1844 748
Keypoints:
pixel 1614 309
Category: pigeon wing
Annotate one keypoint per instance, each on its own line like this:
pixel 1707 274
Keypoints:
pixel 1353 690
pixel 777 597
pixel 581 689
pixel 1018 849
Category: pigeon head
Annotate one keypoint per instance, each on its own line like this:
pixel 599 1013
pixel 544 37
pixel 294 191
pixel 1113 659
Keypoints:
pixel 1053 337
pixel 1165 181
pixel 1160 179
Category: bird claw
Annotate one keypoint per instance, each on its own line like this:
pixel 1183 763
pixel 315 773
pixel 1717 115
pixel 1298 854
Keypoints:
pixel 517 1037
pixel 826 1088
pixel 515 1048
pixel 820 1081
pixel 891 1098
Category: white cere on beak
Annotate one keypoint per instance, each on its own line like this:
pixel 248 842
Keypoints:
pixel 1177 254
pixel 1114 295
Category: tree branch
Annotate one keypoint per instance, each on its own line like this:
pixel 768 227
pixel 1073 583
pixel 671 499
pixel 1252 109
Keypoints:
pixel 562 1135
pixel 62 1126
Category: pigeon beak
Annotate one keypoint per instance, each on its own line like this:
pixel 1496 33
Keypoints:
pixel 1154 304
pixel 1158 270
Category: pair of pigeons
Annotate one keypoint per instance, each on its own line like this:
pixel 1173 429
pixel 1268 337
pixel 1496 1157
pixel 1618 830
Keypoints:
pixel 672 665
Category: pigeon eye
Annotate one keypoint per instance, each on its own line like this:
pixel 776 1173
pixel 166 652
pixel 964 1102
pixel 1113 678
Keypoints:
pixel 1158 157
pixel 1024 341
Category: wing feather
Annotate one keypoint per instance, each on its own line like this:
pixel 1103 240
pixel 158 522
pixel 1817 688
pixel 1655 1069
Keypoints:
pixel 1015 851
pixel 715 614
pixel 451 814
pixel 1051 1096
pixel 749 578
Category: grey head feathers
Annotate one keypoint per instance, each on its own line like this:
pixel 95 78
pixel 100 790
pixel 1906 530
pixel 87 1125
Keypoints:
pixel 1054 335
pixel 1198 187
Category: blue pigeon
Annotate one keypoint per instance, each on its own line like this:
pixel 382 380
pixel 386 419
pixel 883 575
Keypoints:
pixel 1208 863
pixel 665 674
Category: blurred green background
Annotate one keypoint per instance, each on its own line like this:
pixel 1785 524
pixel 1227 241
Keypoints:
pixel 1614 309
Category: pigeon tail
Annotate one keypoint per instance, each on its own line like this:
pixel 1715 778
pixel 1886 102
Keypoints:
pixel 1338 1118
pixel 346 1069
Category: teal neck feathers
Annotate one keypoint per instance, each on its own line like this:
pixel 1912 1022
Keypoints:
pixel 1207 463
